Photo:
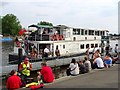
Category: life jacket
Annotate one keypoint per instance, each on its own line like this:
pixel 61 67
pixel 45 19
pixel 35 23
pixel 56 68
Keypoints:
pixel 34 85
pixel 25 71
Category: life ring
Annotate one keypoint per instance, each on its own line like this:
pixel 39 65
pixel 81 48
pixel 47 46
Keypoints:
pixel 52 37
pixel 61 37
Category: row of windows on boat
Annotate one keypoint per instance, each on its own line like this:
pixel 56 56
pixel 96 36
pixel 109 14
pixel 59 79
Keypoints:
pixel 88 32
pixel 83 46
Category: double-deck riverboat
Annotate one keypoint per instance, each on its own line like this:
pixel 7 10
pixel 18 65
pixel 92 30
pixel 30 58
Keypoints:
pixel 69 41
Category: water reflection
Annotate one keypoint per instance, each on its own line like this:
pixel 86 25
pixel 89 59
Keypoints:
pixel 7 47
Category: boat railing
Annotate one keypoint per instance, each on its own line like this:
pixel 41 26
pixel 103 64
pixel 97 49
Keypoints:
pixel 39 37
pixel 46 37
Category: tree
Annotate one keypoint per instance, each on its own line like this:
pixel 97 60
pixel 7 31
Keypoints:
pixel 45 23
pixel 10 25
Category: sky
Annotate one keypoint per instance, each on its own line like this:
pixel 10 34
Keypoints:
pixel 93 14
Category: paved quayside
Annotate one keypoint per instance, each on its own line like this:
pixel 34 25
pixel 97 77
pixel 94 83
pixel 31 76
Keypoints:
pixel 106 78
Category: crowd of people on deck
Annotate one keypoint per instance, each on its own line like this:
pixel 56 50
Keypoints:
pixel 45 75
pixel 32 51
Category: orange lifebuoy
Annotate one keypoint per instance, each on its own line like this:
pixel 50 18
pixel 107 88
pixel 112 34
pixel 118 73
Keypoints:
pixel 61 37
pixel 57 37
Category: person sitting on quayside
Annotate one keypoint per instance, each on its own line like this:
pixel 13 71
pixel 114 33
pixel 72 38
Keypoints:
pixel 97 52
pixel 87 64
pixel 46 73
pixel 74 68
pixel 82 67
pixel 25 68
pixel 46 51
pixel 98 63
pixel 14 81
pixel 108 61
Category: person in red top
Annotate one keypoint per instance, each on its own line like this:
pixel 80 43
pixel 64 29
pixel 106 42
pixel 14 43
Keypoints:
pixel 46 73
pixel 14 81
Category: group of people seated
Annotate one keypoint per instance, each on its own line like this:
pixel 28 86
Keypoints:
pixel 24 79
pixel 86 65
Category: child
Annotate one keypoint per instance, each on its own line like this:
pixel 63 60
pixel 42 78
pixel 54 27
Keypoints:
pixel 39 78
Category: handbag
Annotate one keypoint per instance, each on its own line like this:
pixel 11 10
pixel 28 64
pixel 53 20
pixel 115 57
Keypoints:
pixel 69 70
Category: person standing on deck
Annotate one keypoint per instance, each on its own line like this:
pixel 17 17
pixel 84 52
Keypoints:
pixel 46 51
pixel 87 53
pixel 57 51
pixel 25 68
pixel 107 49
pixel 14 81
pixel 116 49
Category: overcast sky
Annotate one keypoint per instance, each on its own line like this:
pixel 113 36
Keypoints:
pixel 97 14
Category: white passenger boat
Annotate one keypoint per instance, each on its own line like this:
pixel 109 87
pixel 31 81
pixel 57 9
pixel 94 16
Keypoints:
pixel 69 41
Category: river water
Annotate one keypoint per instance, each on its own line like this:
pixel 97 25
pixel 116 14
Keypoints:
pixel 7 47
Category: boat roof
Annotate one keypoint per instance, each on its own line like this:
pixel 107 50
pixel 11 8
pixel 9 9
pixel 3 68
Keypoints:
pixel 91 29
pixel 40 26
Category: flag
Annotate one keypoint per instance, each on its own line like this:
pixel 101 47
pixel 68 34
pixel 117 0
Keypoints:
pixel 22 31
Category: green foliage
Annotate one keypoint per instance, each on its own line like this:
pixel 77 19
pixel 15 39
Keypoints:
pixel 45 23
pixel 10 25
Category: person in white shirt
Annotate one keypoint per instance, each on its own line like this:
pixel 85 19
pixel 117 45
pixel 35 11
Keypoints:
pixel 98 63
pixel 46 51
pixel 74 67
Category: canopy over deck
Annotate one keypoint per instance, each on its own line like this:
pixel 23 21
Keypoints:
pixel 41 26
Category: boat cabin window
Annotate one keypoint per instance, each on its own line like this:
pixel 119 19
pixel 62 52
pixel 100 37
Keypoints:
pixel 92 32
pixel 63 46
pixel 74 38
pixel 87 45
pixel 103 33
pixel 82 31
pixel 95 32
pixel 85 32
pixel 76 31
pixel 94 38
pixel 82 46
pixel 96 45
pixel 92 45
